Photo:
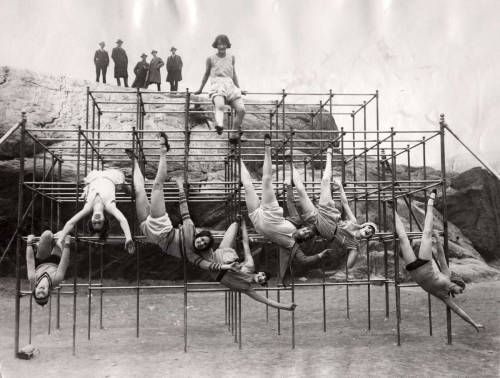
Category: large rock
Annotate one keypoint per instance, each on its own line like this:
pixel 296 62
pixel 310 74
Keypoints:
pixel 473 204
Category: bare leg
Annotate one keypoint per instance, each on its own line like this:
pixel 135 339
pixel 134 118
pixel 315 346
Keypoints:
pixel 457 310
pixel 141 199
pixel 268 195
pixel 219 103
pixel 305 203
pixel 251 197
pixel 326 191
pixel 229 239
pixel 44 247
pixel 239 108
pixel 248 262
pixel 425 251
pixel 443 265
pixel 404 243
pixel 157 199
pixel 259 298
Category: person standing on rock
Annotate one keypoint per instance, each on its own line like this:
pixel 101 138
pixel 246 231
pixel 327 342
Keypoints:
pixel 141 71
pixel 46 263
pixel 101 61
pixel 154 75
pixel 325 219
pixel 224 86
pixel 120 59
pixel 268 220
pixel 174 70
pixel 422 269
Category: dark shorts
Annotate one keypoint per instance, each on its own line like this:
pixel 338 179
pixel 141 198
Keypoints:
pixel 55 259
pixel 416 264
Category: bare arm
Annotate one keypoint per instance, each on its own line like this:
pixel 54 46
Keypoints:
pixel 30 259
pixel 345 203
pixel 235 77
pixel 113 210
pixel 64 263
pixel 68 227
pixel 352 255
pixel 205 76
pixel 260 298
pixel 457 310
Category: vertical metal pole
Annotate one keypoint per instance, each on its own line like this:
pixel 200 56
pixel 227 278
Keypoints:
pixel 239 318
pixel 184 263
pixel 75 270
pixel 396 242
pixel 89 293
pixel 101 277
pixel 442 126
pixel 58 225
pixel 19 242
pixel 368 267
pixel 424 160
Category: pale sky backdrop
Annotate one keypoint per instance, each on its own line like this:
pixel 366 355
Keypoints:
pixel 425 57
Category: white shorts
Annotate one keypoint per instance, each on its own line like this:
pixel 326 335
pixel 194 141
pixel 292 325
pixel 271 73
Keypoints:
pixel 114 175
pixel 223 86
pixel 156 230
pixel 268 220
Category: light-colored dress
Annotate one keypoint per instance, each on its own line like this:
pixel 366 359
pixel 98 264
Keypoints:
pixel 221 78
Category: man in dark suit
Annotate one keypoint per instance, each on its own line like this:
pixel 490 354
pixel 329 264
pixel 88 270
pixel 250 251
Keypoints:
pixel 101 61
pixel 120 59
pixel 174 70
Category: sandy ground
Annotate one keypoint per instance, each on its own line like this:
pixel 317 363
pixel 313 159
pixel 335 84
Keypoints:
pixel 346 349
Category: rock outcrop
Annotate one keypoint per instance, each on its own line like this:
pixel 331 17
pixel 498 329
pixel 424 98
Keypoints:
pixel 473 204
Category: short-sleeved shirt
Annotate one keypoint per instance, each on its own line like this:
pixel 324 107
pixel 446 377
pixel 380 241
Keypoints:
pixel 431 280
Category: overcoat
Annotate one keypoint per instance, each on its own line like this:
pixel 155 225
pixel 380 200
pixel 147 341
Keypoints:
pixel 140 70
pixel 174 68
pixel 101 58
pixel 119 56
pixel 154 70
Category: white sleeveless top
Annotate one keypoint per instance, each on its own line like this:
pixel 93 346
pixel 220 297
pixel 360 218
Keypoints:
pixel 221 67
pixel 102 183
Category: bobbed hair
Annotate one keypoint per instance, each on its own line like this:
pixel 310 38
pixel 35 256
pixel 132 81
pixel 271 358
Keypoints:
pixel 103 232
pixel 221 38
pixel 40 301
pixel 268 277
pixel 372 225
pixel 207 234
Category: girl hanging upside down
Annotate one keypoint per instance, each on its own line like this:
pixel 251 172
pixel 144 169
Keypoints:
pixel 268 220
pixel 325 219
pixel 242 274
pixel 224 86
pixel 155 223
pixel 100 197
pixel 422 269
pixel 46 264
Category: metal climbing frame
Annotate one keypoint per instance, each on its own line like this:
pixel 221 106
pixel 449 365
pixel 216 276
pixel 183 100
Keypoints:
pixel 366 158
